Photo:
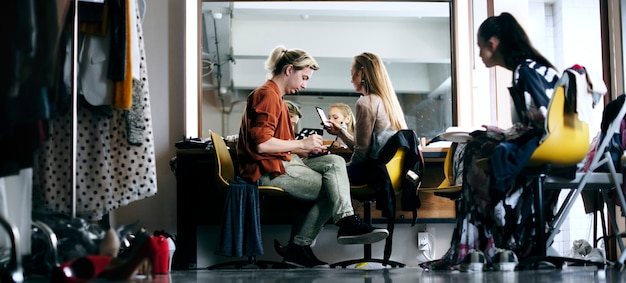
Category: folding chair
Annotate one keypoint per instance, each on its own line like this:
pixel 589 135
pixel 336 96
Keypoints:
pixel 591 179
pixel 564 146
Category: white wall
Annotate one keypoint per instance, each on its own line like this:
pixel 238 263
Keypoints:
pixel 395 42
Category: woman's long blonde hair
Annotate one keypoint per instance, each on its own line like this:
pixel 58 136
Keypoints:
pixel 377 82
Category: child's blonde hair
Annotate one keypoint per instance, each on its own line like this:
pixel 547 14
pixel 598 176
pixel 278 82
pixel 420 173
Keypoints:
pixel 347 112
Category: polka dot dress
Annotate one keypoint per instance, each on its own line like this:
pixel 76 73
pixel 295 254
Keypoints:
pixel 115 162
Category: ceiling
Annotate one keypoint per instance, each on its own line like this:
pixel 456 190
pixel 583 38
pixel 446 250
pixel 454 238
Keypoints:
pixel 413 38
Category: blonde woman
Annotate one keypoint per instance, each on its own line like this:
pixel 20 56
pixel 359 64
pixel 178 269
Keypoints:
pixel 378 115
pixel 341 114
pixel 269 154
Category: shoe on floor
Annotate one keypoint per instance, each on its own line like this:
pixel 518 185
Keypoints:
pixel 110 244
pixel 504 260
pixel 301 256
pixel 595 255
pixel 544 264
pixel 352 230
pixel 280 249
pixel 474 261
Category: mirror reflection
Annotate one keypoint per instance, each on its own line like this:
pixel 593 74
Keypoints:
pixel 413 38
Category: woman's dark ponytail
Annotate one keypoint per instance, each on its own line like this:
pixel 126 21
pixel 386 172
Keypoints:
pixel 515 45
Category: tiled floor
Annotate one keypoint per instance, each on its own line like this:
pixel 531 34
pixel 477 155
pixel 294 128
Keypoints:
pixel 413 274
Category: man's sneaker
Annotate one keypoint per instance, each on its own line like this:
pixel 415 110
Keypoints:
pixel 473 261
pixel 352 230
pixel 302 256
pixel 280 249
pixel 504 260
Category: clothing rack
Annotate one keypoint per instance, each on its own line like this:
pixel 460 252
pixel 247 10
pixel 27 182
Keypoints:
pixel 74 101
pixel 75 97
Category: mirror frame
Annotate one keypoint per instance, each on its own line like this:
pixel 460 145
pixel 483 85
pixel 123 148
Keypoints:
pixel 460 15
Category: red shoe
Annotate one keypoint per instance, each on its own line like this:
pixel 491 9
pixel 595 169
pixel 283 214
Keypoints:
pixel 142 253
pixel 80 270
pixel 160 263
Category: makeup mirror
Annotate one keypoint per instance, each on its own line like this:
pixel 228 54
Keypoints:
pixel 414 39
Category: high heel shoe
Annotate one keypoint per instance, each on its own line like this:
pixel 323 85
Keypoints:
pixel 160 263
pixel 110 244
pixel 142 252
pixel 80 270
pixel 165 249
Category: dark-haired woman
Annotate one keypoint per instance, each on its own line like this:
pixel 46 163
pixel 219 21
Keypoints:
pixel 494 223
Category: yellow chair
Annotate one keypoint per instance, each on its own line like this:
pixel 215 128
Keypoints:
pixel 366 194
pixel 446 188
pixel 226 167
pixel 225 172
pixel 566 144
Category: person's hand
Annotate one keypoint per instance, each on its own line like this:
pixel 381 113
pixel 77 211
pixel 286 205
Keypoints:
pixel 313 143
pixel 334 129
pixel 311 146
pixel 491 132
pixel 493 129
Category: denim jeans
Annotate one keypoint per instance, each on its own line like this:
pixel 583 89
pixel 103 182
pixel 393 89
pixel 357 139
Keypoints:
pixel 322 180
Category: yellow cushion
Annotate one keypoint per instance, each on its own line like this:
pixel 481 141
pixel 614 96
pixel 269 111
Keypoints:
pixel 567 141
pixel 394 169
pixel 445 186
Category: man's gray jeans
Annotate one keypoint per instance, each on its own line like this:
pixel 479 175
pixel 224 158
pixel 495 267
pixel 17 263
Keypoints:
pixel 322 180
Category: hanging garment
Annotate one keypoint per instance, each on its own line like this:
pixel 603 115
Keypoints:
pixel 28 56
pixel 414 161
pixel 240 231
pixel 111 170
pixel 109 61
